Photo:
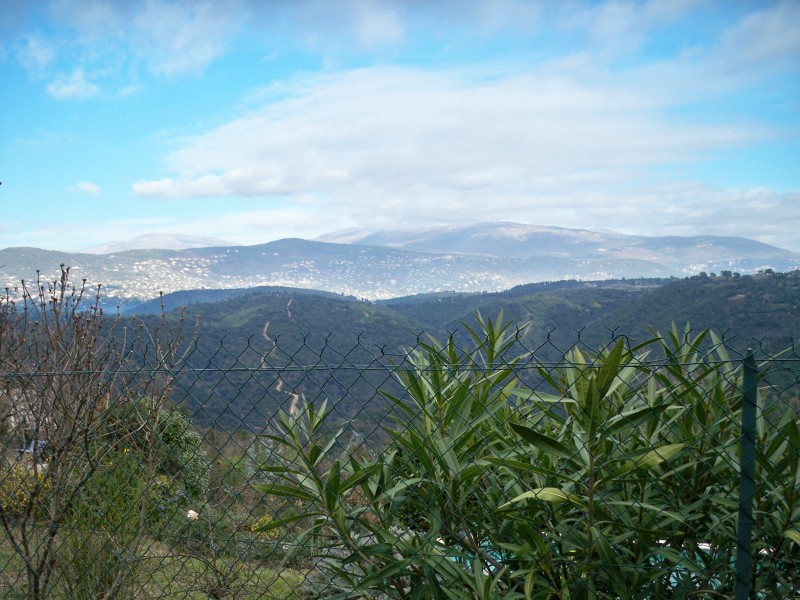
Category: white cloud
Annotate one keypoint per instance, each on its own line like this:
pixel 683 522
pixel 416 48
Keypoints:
pixel 379 27
pixel 386 133
pixel 180 37
pixel 390 147
pixel 600 129
pixel 34 52
pixel 765 41
pixel 74 85
pixel 167 38
pixel 664 208
pixel 183 37
pixel 86 187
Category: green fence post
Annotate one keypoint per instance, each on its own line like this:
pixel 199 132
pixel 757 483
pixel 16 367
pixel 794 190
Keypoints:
pixel 744 542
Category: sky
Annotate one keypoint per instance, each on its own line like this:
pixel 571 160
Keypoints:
pixel 250 121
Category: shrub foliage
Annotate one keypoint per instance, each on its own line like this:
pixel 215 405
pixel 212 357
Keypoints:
pixel 616 478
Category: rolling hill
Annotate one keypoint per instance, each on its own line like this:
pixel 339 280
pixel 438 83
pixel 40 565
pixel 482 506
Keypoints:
pixel 283 343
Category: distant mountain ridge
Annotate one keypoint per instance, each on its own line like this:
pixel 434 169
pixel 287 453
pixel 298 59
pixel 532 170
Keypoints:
pixel 525 241
pixel 157 241
pixel 476 258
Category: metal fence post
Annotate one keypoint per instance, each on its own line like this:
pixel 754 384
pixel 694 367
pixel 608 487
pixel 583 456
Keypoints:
pixel 744 542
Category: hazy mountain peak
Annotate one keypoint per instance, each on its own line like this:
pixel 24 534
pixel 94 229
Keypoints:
pixel 343 236
pixel 158 241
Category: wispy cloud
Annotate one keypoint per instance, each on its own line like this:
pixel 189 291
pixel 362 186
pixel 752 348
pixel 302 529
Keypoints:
pixel 767 39
pixel 382 148
pixel 86 187
pixel 666 208
pixel 74 85
pixel 119 42
pixel 183 37
pixel 34 52
pixel 384 133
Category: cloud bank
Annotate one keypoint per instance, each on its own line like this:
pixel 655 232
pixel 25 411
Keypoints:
pixel 389 146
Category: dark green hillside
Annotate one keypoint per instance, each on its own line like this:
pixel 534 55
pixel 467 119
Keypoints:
pixel 759 311
pixel 269 338
pixel 554 314
pixel 272 337
pixel 263 347
pixel 183 298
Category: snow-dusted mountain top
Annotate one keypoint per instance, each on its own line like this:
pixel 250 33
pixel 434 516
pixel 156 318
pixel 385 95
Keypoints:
pixel 525 241
pixel 157 241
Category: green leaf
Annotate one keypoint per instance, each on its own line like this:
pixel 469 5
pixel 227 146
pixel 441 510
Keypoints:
pixel 650 459
pixel 603 548
pixel 527 394
pixel 610 368
pixel 332 487
pixel 543 442
pixel 314 455
pixel 401 486
pixel 656 509
pixel 632 418
pixel 275 469
pixel 792 534
pixel 281 522
pixel 680 559
pixel 391 570
pixel 547 494
pixel 284 491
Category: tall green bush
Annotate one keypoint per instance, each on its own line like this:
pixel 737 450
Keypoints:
pixel 616 477
pixel 147 468
pixel 166 441
pixel 99 556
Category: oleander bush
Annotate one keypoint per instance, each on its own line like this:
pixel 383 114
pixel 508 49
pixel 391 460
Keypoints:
pixel 615 478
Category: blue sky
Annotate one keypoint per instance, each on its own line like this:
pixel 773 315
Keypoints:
pixel 250 121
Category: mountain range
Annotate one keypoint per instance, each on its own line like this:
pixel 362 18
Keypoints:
pixel 475 258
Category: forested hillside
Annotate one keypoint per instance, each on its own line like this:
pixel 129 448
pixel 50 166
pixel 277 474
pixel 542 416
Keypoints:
pixel 286 343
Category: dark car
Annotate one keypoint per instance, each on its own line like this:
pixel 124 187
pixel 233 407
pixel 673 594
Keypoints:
pixel 37 448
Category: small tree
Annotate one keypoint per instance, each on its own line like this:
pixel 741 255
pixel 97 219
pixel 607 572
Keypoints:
pixel 67 373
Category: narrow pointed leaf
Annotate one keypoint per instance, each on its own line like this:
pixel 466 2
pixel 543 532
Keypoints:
pixel 283 491
pixel 546 494
pixel 792 534
pixel 281 522
pixel 651 459
pixel 633 418
pixel 610 367
pixel 543 442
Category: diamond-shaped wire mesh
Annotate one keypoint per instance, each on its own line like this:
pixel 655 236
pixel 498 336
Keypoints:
pixel 140 465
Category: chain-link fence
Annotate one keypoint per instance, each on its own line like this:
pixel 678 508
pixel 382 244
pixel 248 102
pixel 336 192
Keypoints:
pixel 136 464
